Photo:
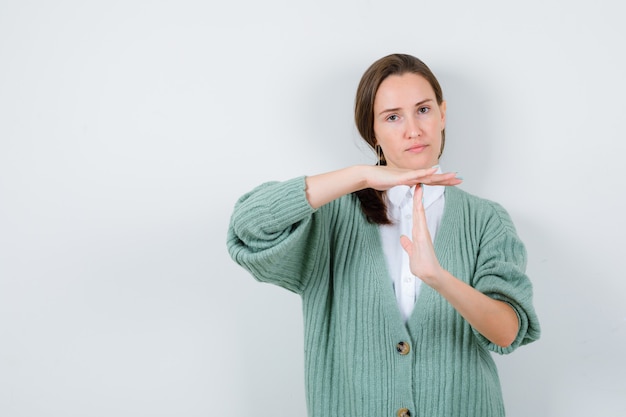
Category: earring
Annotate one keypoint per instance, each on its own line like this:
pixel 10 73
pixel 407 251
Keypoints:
pixel 380 158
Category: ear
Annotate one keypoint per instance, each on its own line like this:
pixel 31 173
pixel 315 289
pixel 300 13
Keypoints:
pixel 442 109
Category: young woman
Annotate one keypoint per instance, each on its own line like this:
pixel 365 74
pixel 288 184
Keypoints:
pixel 407 282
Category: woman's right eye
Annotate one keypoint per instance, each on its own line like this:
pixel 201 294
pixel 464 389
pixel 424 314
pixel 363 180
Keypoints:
pixel 392 118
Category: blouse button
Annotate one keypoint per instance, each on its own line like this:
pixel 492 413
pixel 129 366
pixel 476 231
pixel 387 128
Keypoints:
pixel 403 348
pixel 403 412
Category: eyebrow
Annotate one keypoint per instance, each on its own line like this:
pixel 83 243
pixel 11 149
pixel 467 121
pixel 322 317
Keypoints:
pixel 398 108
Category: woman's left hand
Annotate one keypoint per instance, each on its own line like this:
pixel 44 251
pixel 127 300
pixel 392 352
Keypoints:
pixel 422 259
pixel 494 319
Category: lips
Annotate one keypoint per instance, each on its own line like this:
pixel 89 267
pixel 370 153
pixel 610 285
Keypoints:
pixel 416 148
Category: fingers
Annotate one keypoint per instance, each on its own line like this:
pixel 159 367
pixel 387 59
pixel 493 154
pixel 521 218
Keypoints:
pixel 419 222
pixel 384 177
pixel 418 198
pixel 429 177
pixel 420 228
pixel 421 175
pixel 407 245
pixel 449 178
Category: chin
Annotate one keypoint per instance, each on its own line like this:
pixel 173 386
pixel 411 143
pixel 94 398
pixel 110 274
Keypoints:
pixel 421 163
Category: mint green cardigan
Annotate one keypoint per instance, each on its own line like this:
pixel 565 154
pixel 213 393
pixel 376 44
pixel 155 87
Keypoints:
pixel 361 359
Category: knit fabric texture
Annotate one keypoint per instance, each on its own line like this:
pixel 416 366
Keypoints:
pixel 361 358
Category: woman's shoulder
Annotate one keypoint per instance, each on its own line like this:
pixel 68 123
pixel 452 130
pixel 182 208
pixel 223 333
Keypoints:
pixel 458 195
pixel 476 207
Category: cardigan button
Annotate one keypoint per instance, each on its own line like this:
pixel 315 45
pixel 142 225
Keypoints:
pixel 403 348
pixel 403 412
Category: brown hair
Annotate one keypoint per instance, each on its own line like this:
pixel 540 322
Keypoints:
pixel 372 201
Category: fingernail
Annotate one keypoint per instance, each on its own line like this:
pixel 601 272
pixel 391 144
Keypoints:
pixel 457 176
pixel 435 166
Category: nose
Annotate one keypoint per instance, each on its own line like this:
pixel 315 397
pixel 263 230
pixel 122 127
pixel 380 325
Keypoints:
pixel 412 128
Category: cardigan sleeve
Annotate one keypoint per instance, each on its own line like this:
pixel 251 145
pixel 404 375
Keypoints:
pixel 500 274
pixel 273 234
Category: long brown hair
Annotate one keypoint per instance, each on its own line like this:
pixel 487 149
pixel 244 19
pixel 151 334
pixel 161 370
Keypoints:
pixel 372 201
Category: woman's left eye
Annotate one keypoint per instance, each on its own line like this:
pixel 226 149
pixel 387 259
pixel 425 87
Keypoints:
pixel 423 110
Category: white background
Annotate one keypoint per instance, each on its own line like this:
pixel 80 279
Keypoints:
pixel 129 128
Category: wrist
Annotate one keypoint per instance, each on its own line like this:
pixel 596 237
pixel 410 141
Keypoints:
pixel 440 280
pixel 360 176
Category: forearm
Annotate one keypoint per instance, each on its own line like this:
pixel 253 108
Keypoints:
pixel 324 188
pixel 494 319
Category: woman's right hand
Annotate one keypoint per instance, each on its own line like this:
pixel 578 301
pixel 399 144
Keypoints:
pixel 324 188
pixel 383 178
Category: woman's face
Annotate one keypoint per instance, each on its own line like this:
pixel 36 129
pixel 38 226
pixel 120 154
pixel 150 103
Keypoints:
pixel 408 121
